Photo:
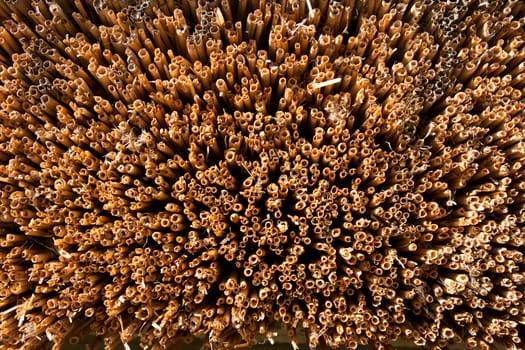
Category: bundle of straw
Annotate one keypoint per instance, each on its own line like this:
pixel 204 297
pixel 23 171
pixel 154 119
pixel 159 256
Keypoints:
pixel 172 170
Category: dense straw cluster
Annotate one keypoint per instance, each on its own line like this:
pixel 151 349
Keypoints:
pixel 179 169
